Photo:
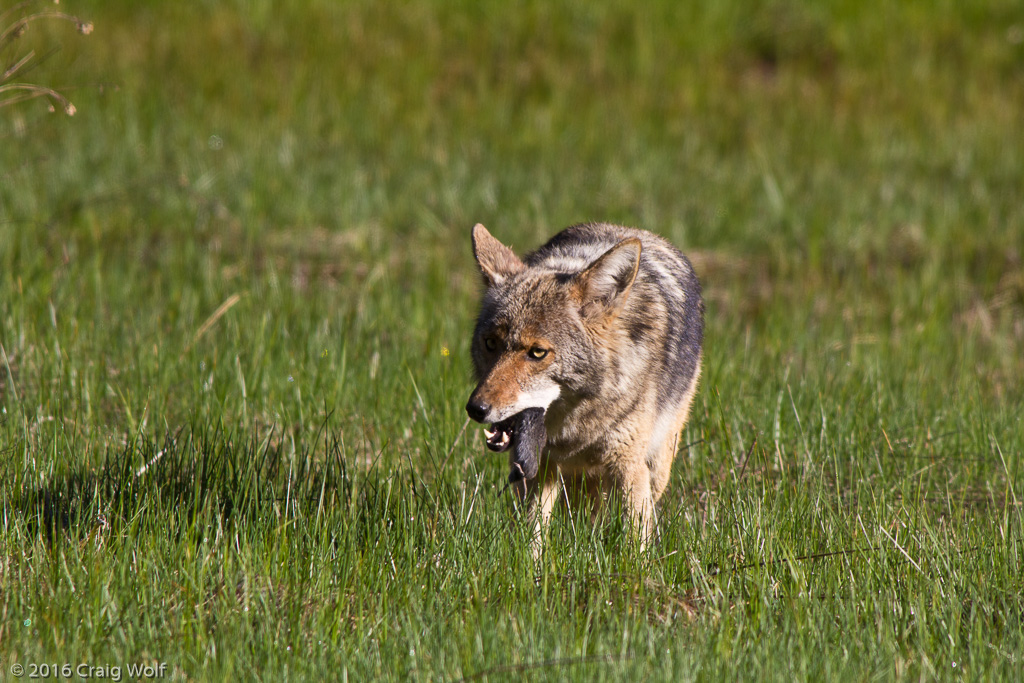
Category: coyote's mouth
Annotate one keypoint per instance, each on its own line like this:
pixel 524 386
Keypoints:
pixel 499 436
pixel 524 433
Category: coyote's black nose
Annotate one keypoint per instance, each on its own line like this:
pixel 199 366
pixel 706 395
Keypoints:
pixel 477 409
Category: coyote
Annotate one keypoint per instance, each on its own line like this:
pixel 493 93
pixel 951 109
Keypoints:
pixel 587 354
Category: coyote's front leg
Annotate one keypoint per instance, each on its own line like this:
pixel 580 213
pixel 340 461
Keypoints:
pixel 638 501
pixel 540 497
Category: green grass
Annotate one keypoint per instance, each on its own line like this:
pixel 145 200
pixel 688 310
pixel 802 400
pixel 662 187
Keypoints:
pixel 236 293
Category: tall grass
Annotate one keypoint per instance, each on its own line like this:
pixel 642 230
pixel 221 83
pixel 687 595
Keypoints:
pixel 236 292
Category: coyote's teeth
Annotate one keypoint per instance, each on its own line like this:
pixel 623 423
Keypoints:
pixel 490 433
pixel 504 438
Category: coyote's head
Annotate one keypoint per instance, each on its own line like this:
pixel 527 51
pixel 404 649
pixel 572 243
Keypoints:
pixel 538 338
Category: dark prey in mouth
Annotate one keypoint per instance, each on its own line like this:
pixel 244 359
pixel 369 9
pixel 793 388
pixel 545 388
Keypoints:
pixel 525 434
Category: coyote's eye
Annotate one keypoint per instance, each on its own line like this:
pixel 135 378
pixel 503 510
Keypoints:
pixel 491 344
pixel 536 353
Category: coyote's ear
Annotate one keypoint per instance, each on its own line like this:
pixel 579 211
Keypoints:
pixel 496 261
pixel 604 285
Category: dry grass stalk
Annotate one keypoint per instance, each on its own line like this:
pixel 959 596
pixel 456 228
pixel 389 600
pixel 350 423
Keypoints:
pixel 14 23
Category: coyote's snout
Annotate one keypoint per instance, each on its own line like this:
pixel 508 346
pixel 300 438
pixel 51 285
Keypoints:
pixel 587 353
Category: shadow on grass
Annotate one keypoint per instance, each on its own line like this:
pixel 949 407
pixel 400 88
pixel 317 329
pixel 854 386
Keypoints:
pixel 191 476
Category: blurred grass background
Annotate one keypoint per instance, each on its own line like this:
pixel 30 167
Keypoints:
pixel 256 228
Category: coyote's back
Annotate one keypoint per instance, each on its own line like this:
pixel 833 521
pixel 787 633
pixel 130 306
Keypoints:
pixel 601 329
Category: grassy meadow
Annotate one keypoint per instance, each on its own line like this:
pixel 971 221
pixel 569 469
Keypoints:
pixel 236 294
